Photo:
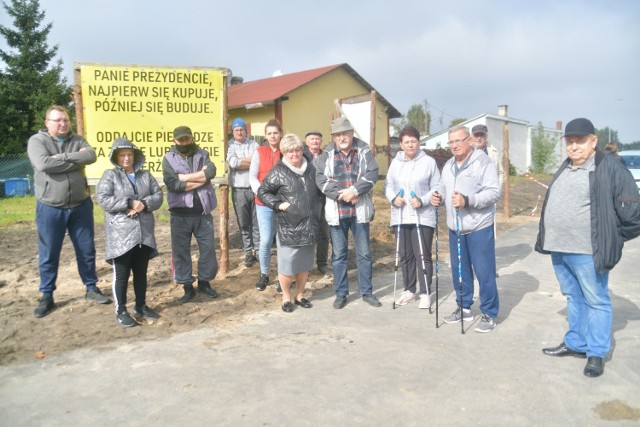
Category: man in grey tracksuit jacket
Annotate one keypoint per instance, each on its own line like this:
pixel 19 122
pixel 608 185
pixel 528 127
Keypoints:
pixel 471 190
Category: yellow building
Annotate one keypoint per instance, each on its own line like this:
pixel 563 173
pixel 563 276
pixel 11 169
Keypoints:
pixel 309 100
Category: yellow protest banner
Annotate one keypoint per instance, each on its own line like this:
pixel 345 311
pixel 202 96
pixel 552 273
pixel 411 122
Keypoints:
pixel 145 103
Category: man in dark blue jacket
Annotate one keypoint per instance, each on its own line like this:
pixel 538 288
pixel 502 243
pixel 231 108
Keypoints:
pixel 591 208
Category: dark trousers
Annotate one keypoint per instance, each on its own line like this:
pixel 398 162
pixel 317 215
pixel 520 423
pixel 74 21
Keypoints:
pixel 244 206
pixel 411 257
pixel 182 229
pixel 322 248
pixel 135 261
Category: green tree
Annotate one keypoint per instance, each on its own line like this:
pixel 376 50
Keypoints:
pixel 398 124
pixel 635 145
pixel 543 150
pixel 456 122
pixel 30 79
pixel 418 116
pixel 606 135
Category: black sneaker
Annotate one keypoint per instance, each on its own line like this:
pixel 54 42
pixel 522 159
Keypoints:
pixel 145 311
pixel 304 303
pixel 263 282
pixel 205 289
pixel 189 294
pixel 287 307
pixel 324 270
pixel 248 259
pixel 96 295
pixel 371 300
pixel 125 320
pixel 45 306
pixel 278 287
pixel 340 302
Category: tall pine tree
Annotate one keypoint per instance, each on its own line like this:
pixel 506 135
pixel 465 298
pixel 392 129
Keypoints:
pixel 30 79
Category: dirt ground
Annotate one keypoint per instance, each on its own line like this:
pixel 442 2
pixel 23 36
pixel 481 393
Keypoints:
pixel 76 323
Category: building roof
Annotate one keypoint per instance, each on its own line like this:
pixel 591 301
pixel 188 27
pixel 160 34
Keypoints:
pixel 267 91
pixel 476 118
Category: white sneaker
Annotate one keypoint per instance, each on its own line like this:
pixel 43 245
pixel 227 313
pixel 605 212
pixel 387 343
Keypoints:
pixel 406 298
pixel 401 298
pixel 425 301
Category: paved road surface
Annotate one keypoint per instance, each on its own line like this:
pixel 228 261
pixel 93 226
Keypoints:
pixel 357 366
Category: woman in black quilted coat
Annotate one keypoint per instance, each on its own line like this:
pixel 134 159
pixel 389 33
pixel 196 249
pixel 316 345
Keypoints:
pixel 290 190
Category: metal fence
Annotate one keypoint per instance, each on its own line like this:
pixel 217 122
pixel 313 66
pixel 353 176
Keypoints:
pixel 16 175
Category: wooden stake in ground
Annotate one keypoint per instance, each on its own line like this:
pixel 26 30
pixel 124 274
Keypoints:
pixel 507 168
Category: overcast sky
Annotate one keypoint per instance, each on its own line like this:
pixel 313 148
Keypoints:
pixel 547 60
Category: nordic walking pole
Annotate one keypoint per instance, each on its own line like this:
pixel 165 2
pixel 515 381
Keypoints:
pixel 424 271
pixel 395 278
pixel 460 271
pixel 437 324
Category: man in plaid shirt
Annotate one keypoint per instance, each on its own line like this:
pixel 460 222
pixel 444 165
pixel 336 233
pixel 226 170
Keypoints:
pixel 346 174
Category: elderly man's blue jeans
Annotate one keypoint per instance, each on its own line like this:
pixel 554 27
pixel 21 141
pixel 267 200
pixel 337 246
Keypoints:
pixel 588 303
pixel 340 243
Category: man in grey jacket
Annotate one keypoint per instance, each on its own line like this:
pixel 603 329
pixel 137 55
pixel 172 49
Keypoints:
pixel 239 154
pixel 472 189
pixel 63 203
pixel 480 133
pixel 346 174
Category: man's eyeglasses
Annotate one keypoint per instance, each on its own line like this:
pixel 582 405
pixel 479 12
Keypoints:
pixel 59 120
pixel 457 141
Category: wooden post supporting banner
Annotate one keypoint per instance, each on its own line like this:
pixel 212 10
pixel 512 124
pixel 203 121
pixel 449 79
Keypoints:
pixel 223 205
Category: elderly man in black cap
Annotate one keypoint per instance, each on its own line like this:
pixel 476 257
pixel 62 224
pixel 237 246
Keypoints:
pixel 591 208
pixel 313 143
pixel 346 174
pixel 480 133
pixel 187 172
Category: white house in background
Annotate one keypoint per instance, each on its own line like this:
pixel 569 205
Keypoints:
pixel 520 138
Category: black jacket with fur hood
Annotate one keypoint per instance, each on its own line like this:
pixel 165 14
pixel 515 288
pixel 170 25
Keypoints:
pixel 299 224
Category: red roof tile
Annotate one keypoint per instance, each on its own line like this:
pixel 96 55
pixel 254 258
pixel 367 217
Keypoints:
pixel 268 90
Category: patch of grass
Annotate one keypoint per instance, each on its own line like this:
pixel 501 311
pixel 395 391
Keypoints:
pixel 17 210
pixel 22 210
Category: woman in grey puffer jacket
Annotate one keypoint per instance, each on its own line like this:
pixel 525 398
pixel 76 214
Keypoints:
pixel 128 195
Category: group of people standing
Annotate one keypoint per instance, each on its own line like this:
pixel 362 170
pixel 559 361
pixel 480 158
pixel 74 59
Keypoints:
pixel 128 195
pixel 302 196
pixel 469 189
pixel 299 189
pixel 299 194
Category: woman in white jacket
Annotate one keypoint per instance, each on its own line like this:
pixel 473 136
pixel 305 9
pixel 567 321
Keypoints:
pixel 411 180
